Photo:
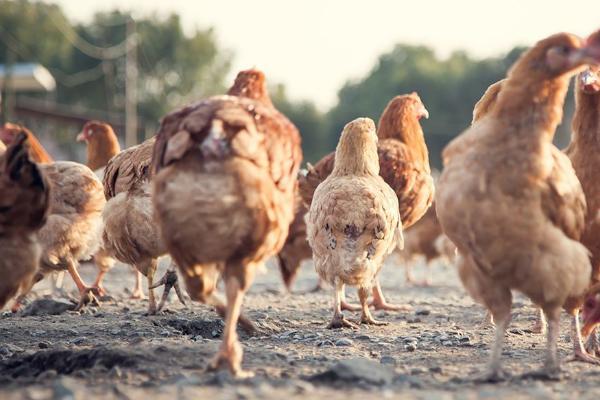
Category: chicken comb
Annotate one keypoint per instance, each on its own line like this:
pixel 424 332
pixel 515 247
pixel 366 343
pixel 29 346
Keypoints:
pixel 251 83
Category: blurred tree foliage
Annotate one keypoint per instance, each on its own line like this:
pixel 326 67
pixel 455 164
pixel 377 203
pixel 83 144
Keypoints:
pixel 176 68
pixel 449 88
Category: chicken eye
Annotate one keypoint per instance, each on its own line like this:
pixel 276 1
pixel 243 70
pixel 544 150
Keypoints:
pixel 565 49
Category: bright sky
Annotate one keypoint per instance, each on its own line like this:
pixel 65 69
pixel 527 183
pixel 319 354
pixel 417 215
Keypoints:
pixel 314 46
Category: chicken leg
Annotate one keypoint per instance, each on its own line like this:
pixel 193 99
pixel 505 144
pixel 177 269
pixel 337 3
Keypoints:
pixel 150 269
pixel 138 292
pixel 579 352
pixel 379 302
pixel 87 294
pixel 367 317
pixel 344 305
pixel 170 281
pixel 230 353
pixel 551 369
pixel 540 324
pixel 338 321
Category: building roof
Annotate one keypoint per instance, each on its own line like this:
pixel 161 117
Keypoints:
pixel 28 77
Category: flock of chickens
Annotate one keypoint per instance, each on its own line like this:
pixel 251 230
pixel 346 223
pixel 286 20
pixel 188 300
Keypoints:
pixel 220 191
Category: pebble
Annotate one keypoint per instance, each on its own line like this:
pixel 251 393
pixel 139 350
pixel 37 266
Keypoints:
pixel 344 342
pixel 79 340
pixel 410 347
pixel 387 360
pixel 447 343
pixel 325 343
pixel 43 345
pixel 423 311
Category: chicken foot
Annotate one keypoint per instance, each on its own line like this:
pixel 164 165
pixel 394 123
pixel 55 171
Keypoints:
pixel 579 352
pixel 379 302
pixel 230 353
pixel 367 317
pixel 338 321
pixel 87 294
pixel 494 372
pixel 540 324
pixel 344 305
pixel 169 280
pixel 551 369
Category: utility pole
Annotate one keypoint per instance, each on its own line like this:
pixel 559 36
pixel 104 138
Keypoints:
pixel 7 96
pixel 131 78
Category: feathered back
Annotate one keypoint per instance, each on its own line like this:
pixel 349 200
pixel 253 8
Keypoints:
pixel 245 124
pixel 25 192
pixel 129 169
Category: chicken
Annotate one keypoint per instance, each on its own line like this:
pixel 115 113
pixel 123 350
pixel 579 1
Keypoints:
pixel 425 238
pixel 583 153
pixel 353 220
pixel 24 202
pixel 130 233
pixel 296 248
pixel 404 165
pixel 74 227
pixel 511 202
pixel 102 145
pixel 37 153
pixel 226 172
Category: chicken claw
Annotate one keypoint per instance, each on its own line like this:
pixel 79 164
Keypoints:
pixel 229 358
pixel 170 281
pixel 339 322
pixel 88 296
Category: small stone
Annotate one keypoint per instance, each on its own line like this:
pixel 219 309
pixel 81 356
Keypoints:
pixel 436 369
pixel 387 360
pixel 115 332
pixel 325 343
pixel 344 342
pixel 43 345
pixel 214 334
pixel 423 311
pixel 356 370
pixel 410 347
pixel 447 343
pixel 78 341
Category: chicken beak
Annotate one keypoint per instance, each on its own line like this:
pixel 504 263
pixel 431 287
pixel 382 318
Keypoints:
pixel 423 113
pixel 81 137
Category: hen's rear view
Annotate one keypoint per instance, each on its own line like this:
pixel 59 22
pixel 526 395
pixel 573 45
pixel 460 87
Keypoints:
pixel 226 171
pixel 353 220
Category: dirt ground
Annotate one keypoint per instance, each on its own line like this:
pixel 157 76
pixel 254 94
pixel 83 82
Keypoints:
pixel 117 352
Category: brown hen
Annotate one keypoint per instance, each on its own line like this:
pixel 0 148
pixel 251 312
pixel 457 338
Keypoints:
pixel 226 170
pixel 24 201
pixel 511 202
pixel 102 144
pixel 584 153
pixel 130 232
